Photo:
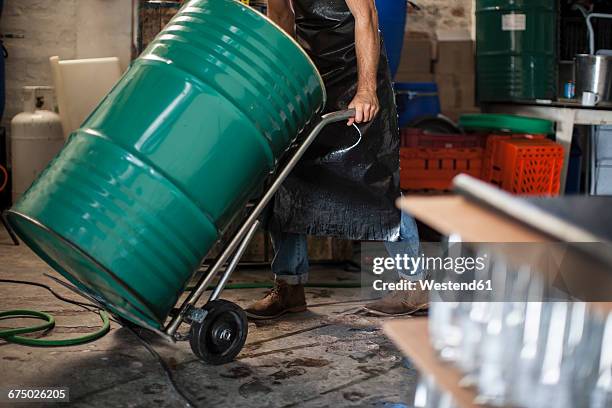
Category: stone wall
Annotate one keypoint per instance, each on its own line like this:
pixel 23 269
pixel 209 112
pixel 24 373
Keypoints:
pixel 100 28
pixel 38 29
pixel 441 14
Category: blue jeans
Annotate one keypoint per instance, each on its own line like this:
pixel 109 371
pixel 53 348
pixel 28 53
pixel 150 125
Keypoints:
pixel 291 252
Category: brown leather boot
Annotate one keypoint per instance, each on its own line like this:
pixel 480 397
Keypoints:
pixel 400 303
pixel 283 298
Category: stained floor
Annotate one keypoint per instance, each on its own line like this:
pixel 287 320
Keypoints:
pixel 332 355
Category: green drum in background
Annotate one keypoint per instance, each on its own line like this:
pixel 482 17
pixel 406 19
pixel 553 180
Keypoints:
pixel 143 190
pixel 516 49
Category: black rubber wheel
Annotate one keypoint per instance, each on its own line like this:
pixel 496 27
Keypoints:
pixel 222 334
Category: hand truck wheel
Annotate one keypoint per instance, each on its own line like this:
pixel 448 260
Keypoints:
pixel 221 335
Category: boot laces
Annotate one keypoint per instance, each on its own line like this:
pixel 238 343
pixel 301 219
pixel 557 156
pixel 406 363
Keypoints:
pixel 275 292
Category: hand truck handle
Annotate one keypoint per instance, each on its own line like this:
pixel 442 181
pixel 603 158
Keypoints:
pixel 327 119
pixel 323 121
pixel 338 116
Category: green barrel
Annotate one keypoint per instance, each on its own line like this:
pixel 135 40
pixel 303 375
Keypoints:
pixel 516 49
pixel 144 189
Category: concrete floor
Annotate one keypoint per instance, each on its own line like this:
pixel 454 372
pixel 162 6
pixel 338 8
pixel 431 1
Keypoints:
pixel 332 355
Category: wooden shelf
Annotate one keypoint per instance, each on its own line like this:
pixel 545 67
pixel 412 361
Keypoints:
pixel 411 336
pixel 475 224
pixel 479 224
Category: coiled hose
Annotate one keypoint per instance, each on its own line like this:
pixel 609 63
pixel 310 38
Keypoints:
pixel 14 335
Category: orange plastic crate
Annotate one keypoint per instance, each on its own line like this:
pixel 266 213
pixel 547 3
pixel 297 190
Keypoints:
pixel 525 166
pixel 411 137
pixel 492 150
pixel 435 168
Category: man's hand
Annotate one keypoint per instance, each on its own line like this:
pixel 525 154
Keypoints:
pixel 366 107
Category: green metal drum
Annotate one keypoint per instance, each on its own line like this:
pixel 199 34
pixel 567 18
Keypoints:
pixel 516 49
pixel 143 190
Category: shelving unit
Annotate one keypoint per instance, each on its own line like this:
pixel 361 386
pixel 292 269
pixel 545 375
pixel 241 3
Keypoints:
pixel 474 223
pixel 411 336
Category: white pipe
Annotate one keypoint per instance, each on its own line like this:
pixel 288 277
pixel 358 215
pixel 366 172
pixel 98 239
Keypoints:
pixel 590 31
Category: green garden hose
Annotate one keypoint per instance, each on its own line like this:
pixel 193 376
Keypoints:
pixel 12 335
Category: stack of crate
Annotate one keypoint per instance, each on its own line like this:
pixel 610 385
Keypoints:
pixel 431 161
pixel 523 164
pixel 518 163
pixel 152 18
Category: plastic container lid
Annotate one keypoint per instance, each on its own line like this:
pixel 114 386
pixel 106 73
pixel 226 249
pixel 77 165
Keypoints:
pixel 506 123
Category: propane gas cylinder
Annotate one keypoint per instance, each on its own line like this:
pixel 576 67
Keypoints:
pixel 36 137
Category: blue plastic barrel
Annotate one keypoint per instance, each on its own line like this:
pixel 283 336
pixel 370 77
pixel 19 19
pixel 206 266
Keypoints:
pixel 416 100
pixel 392 21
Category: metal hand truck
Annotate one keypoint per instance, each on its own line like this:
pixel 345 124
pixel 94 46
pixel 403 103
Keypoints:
pixel 219 328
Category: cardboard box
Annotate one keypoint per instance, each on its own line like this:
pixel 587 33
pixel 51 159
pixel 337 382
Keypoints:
pixel 417 54
pixel 447 91
pixel 407 76
pixel 456 91
pixel 466 90
pixel 455 52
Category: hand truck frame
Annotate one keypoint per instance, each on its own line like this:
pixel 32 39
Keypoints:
pixel 219 328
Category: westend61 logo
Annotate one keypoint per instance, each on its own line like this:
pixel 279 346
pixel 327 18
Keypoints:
pixel 411 265
pixel 421 266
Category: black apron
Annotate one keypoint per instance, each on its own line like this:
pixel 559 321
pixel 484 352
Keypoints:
pixel 347 183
